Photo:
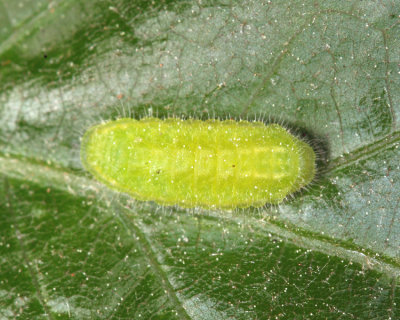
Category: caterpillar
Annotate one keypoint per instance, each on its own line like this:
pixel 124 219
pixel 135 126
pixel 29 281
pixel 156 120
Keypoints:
pixel 223 164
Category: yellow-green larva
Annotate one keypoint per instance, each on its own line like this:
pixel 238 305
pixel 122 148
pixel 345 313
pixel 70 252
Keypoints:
pixel 193 163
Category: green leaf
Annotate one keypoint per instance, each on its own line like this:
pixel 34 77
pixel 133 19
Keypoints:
pixel 71 248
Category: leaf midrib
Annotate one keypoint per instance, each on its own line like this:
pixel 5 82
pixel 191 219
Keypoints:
pixel 74 183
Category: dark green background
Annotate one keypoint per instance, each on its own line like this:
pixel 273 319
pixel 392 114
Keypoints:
pixel 72 249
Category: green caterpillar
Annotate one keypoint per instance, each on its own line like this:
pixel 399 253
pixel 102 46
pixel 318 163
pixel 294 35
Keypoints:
pixel 193 163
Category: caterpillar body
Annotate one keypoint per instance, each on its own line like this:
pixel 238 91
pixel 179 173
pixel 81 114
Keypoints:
pixel 192 163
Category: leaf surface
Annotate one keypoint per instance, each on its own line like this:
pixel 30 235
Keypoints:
pixel 71 248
